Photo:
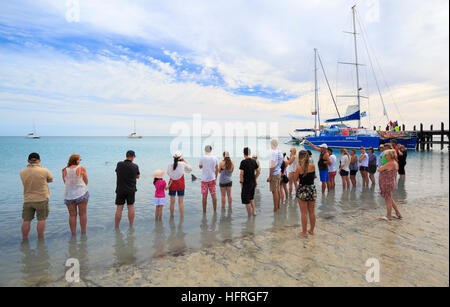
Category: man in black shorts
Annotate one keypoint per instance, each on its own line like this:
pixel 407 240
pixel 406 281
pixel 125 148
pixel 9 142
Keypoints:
pixel 127 175
pixel 249 175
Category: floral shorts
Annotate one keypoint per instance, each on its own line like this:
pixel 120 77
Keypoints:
pixel 209 186
pixel 307 192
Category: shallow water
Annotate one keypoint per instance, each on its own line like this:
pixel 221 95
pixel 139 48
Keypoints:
pixel 103 248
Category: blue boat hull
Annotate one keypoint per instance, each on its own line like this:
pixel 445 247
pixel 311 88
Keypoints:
pixel 346 141
pixel 409 143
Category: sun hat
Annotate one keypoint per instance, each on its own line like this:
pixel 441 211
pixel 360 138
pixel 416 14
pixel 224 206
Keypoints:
pixel 158 173
pixel 323 146
pixel 177 154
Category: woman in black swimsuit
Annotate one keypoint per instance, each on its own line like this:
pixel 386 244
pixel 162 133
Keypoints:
pixel 402 155
pixel 306 192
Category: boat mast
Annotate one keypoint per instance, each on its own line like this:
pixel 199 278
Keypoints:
pixel 358 88
pixel 316 95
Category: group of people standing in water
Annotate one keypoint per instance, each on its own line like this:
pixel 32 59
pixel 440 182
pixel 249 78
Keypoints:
pixel 286 174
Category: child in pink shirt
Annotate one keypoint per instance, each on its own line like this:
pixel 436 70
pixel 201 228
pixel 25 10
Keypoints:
pixel 160 194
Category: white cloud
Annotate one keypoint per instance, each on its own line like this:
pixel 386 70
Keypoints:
pixel 249 43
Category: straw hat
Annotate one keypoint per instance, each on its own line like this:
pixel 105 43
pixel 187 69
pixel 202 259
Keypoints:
pixel 158 174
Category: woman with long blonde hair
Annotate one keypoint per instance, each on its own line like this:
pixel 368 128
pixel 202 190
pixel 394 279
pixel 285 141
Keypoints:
pixel 76 195
pixel 306 192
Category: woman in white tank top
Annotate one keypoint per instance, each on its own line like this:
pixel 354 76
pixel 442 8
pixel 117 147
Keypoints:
pixel 76 195
pixel 292 168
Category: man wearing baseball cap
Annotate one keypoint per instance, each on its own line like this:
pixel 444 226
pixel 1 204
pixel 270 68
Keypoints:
pixel 127 175
pixel 36 195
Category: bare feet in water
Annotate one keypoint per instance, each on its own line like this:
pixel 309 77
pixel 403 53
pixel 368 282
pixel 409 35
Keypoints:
pixel 302 234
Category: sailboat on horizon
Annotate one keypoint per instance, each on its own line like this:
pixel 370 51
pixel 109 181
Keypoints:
pixel 33 134
pixel 134 135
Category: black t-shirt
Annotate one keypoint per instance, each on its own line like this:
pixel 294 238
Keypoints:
pixel 249 166
pixel 127 173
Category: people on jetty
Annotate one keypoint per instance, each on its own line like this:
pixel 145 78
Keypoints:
pixel 332 169
pixel 372 165
pixel 284 179
pixel 226 168
pixel 177 186
pixel 306 193
pixel 353 167
pixel 210 169
pixel 249 173
pixel 160 194
pixel 364 167
pixel 274 178
pixel 344 169
pixel 127 174
pixel 76 195
pixel 402 155
pixel 36 194
pixel 323 164
pixel 387 182
pixel 291 169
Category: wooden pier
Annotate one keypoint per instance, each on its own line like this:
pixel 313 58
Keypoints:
pixel 425 138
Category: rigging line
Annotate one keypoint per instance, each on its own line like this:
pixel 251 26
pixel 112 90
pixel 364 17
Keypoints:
pixel 328 84
pixel 368 97
pixel 383 75
pixel 372 68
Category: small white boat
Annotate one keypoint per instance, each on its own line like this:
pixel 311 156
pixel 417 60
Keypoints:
pixel 33 134
pixel 134 135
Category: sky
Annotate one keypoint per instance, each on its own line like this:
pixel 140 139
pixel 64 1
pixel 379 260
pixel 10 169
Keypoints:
pixel 93 67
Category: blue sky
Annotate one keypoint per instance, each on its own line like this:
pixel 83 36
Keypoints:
pixel 158 62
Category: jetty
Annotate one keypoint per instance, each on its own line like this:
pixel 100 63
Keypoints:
pixel 426 138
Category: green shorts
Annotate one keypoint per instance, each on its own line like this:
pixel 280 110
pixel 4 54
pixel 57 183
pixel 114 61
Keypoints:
pixel 42 209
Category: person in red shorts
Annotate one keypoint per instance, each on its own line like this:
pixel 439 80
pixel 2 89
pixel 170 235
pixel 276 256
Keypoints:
pixel 210 169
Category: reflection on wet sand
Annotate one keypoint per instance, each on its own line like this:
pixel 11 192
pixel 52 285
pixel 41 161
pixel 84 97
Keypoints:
pixel 35 264
pixel 208 233
pixel 124 252
pixel 159 240
pixel 248 228
pixel 176 241
pixel 225 226
pixel 79 251
pixel 400 195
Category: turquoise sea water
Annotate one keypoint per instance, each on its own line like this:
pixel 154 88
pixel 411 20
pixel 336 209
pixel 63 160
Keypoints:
pixel 38 262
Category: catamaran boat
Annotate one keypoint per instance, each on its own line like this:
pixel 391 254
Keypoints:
pixel 134 135
pixel 33 134
pixel 339 134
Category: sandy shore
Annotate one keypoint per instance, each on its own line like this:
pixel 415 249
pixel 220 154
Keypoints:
pixel 412 252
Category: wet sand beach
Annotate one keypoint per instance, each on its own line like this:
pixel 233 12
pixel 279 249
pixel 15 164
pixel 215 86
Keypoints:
pixel 412 252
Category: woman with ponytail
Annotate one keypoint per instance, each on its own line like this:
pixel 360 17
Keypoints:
pixel 176 184
pixel 306 192
pixel 226 168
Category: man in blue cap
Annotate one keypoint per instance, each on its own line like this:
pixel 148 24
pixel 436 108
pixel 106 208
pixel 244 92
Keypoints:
pixel 127 175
